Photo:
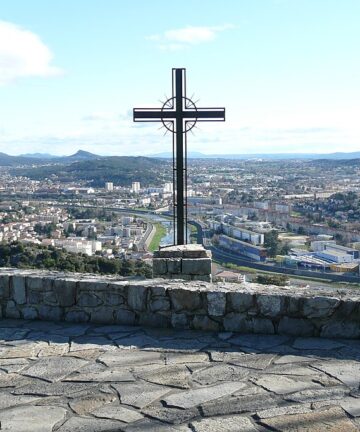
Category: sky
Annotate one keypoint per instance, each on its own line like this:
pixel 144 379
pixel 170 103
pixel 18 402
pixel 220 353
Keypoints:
pixel 287 72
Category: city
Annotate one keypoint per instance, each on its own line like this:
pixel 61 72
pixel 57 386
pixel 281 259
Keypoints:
pixel 243 210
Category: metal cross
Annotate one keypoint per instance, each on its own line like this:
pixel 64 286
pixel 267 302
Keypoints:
pixel 179 115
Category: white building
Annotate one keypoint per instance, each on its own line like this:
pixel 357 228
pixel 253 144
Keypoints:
pixel 79 245
pixel 335 256
pixel 135 187
pixel 168 188
pixel 109 186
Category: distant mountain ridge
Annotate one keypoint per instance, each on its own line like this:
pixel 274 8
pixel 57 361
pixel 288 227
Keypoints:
pixel 266 156
pixel 82 155
pixel 44 158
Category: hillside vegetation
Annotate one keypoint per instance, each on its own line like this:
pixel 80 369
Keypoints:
pixel 121 170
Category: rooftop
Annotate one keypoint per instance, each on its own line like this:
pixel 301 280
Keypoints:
pixel 86 377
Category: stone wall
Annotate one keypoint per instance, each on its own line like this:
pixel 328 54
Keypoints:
pixel 250 308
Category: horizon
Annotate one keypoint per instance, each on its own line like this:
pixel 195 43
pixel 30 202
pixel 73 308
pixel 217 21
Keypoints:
pixel 162 154
pixel 287 74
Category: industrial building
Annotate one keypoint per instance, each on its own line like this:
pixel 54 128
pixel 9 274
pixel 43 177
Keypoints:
pixel 249 250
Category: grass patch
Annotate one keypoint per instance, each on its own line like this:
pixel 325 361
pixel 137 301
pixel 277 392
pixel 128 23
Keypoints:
pixel 159 234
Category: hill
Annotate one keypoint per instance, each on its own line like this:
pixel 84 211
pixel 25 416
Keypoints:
pixel 121 170
pixel 80 155
pixel 44 158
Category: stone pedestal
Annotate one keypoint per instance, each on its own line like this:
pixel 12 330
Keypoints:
pixel 189 262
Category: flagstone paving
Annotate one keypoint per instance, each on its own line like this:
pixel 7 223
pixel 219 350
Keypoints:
pixel 58 377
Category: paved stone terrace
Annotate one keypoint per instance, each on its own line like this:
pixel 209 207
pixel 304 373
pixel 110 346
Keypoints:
pixel 83 377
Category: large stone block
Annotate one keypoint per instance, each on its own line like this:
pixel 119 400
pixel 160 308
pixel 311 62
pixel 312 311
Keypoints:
pixel 174 265
pixel 102 315
pixel 65 291
pixel 118 287
pixel 240 302
pixel 4 287
pixel 91 285
pixel 341 329
pixel 124 316
pixel 319 307
pixel 237 322
pixel 160 304
pixel 35 283
pixel 29 312
pixel 49 298
pixel 50 313
pixel 196 266
pixel 35 297
pixel 169 252
pixel 137 296
pixel 296 327
pixel 179 320
pixel 294 306
pixel 77 316
pixel 112 298
pixel 185 299
pixel 270 305
pixel 216 303
pixel 195 251
pixel 88 299
pixel 18 290
pixel 159 266
pixel 158 290
pixel 203 322
pixel 262 325
pixel 150 319
pixel 11 310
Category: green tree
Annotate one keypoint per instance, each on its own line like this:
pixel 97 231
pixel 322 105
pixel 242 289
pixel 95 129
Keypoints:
pixel 271 242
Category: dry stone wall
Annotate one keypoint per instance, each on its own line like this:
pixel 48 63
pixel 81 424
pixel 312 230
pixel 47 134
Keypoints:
pixel 246 308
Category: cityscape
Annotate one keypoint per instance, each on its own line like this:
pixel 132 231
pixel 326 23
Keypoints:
pixel 289 216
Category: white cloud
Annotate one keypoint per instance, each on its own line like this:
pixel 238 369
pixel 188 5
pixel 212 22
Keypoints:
pixel 23 54
pixel 179 38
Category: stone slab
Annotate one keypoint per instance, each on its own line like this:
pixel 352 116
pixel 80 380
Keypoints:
pixel 139 395
pixel 131 358
pixel 86 404
pixel 282 385
pixel 42 388
pixel 109 375
pixel 54 368
pixel 176 375
pixel 321 394
pixel 117 412
pixel 219 373
pixel 347 372
pixel 284 410
pixel 330 420
pixel 227 424
pixel 192 398
pixel 351 406
pixel 171 415
pixel 30 418
pixel 90 424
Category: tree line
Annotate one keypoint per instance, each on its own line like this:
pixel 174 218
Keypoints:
pixel 41 257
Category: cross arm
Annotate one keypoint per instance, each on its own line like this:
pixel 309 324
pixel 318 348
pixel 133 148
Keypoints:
pixel 206 114
pixel 152 114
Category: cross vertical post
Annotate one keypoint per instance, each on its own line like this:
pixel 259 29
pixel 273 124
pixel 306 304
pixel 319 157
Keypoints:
pixel 180 191
pixel 179 115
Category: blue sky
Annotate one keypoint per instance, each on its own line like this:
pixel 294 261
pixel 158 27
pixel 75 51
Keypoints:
pixel 287 71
